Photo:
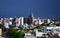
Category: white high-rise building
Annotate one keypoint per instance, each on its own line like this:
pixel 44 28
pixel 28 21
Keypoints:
pixel 48 21
pixel 21 21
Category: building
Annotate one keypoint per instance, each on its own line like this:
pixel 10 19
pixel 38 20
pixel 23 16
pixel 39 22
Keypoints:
pixel 31 19
pixel 26 21
pixel 1 22
pixel 36 22
pixel 21 21
pixel 48 21
pixel 10 21
pixel 6 23
pixel 39 33
pixel 0 32
pixel 54 37
pixel 40 21
pixel 13 22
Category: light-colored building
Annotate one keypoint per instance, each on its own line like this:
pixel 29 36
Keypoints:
pixel 48 20
pixel 10 22
pixel 6 23
pixel 40 21
pixel 0 21
pixel 21 21
pixel 10 18
pixel 36 22
pixel 39 33
pixel 0 32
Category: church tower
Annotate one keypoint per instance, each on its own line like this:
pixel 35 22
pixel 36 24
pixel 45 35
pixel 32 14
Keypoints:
pixel 31 18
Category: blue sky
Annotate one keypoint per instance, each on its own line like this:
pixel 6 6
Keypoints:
pixel 40 8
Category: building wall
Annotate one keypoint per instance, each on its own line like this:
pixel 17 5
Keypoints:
pixel 0 32
pixel 21 21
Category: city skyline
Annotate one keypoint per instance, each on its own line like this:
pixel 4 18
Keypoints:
pixel 40 8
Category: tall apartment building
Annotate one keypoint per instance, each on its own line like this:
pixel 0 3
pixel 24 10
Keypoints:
pixel 21 21
pixel 48 20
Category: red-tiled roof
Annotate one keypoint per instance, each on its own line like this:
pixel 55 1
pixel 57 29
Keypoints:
pixel 54 37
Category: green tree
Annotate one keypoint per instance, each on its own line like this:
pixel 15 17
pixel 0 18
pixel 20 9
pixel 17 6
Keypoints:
pixel 17 33
pixel 57 24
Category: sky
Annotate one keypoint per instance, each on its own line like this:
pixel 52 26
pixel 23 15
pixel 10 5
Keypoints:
pixel 40 8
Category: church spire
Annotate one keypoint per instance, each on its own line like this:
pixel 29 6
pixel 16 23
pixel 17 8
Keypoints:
pixel 31 14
